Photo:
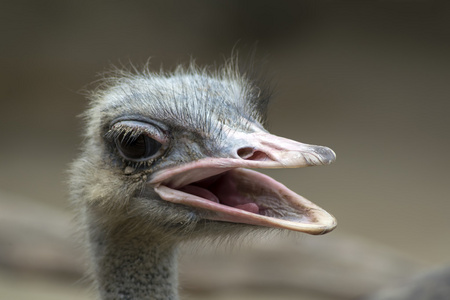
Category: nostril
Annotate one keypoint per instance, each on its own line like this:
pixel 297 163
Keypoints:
pixel 246 152
pixel 249 153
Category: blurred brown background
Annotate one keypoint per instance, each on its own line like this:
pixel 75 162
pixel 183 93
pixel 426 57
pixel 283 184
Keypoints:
pixel 370 80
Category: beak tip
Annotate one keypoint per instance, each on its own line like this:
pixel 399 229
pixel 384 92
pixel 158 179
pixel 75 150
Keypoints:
pixel 326 155
pixel 320 156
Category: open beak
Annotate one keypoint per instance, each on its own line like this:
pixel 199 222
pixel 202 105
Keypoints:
pixel 224 189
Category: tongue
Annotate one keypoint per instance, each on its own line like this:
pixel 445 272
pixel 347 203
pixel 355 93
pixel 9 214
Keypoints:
pixel 201 192
pixel 229 198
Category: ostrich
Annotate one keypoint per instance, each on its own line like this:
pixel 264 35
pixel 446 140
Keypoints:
pixel 165 159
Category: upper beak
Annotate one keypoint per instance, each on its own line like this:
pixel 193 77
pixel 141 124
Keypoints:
pixel 259 150
pixel 277 152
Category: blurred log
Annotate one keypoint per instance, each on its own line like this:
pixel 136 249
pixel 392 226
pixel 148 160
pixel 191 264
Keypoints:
pixel 35 238
pixel 434 285
pixel 338 266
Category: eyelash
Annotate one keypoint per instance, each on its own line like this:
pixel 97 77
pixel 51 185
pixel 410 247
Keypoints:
pixel 118 130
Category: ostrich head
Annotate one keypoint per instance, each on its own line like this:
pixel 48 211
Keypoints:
pixel 168 157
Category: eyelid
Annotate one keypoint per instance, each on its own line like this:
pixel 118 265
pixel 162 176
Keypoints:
pixel 151 130
pixel 140 119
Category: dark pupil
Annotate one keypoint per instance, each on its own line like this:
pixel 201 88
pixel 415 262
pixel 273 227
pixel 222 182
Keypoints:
pixel 139 147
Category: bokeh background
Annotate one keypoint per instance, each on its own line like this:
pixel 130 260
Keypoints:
pixel 369 79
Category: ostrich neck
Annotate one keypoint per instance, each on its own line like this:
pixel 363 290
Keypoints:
pixel 133 268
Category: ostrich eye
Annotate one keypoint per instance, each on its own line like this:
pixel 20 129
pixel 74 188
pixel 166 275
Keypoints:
pixel 136 140
pixel 138 147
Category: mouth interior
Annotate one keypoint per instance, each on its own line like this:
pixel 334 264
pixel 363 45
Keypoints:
pixel 252 192
pixel 221 189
